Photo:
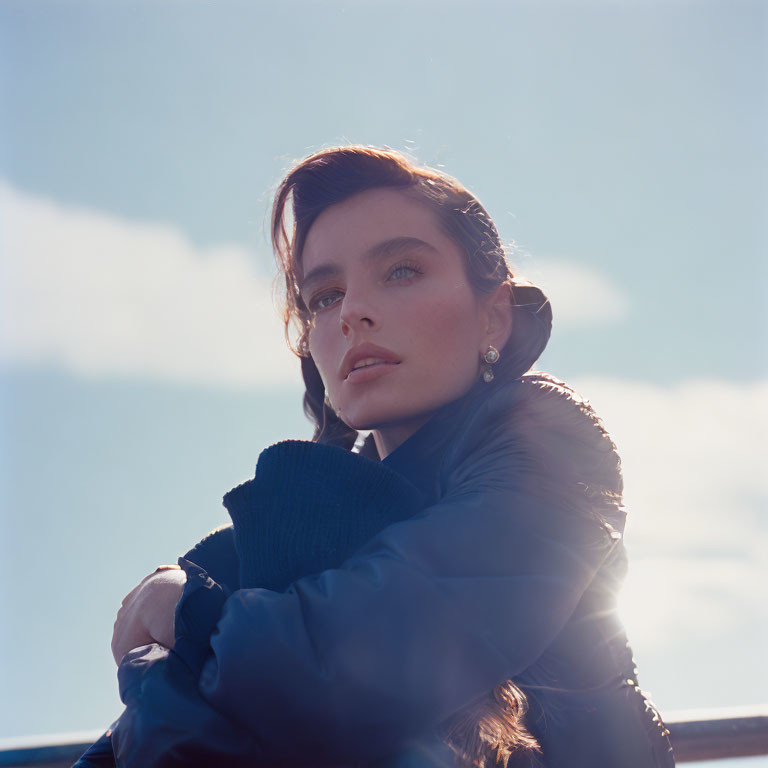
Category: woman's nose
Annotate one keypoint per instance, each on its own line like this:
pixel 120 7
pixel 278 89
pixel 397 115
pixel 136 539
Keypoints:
pixel 356 314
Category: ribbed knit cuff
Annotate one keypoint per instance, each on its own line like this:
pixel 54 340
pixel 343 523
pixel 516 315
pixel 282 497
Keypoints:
pixel 217 555
pixel 310 507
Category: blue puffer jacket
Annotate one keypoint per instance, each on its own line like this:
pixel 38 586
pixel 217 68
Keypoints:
pixel 510 571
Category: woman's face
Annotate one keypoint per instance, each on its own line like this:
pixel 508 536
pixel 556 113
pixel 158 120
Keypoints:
pixel 397 330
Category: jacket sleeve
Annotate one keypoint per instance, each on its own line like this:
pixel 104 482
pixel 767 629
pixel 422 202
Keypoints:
pixel 432 613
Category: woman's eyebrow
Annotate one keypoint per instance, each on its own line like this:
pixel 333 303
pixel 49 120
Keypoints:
pixel 385 248
pixel 396 245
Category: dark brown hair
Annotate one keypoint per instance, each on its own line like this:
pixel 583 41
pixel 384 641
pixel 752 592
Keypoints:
pixel 331 176
pixel 490 731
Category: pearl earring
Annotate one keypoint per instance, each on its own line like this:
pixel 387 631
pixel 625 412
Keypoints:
pixel 490 356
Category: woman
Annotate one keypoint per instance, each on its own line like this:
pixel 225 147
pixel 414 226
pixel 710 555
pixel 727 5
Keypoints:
pixel 447 597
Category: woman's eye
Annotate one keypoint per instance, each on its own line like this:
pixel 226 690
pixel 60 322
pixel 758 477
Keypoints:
pixel 324 300
pixel 403 271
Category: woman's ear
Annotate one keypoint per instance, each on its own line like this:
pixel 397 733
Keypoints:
pixel 496 318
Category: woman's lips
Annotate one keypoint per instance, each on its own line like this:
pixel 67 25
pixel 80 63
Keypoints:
pixel 364 354
pixel 370 372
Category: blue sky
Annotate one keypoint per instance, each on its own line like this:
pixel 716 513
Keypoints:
pixel 621 146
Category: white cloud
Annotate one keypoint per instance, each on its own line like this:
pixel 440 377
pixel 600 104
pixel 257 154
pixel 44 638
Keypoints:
pixel 101 296
pixel 580 295
pixel 695 491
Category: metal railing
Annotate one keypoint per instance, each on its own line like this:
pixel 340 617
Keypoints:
pixel 58 750
pixel 717 734
pixel 696 735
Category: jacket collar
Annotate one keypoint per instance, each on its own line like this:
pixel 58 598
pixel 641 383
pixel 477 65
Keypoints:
pixel 419 458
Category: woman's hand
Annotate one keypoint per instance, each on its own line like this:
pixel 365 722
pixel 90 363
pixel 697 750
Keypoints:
pixel 146 614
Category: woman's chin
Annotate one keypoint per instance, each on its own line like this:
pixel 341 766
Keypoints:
pixel 371 415
pixel 395 423
pixel 359 421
